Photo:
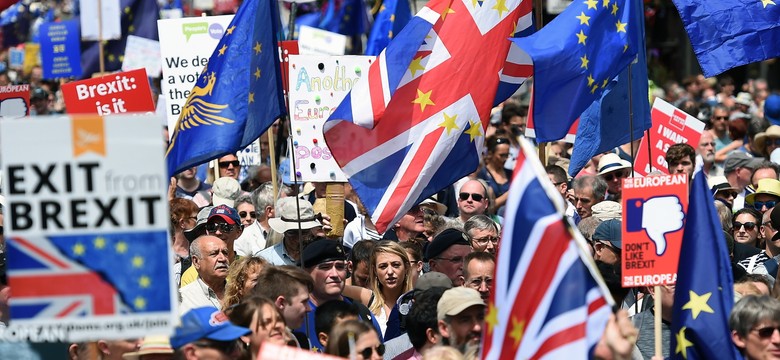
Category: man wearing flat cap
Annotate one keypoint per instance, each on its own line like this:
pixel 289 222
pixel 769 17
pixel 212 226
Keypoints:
pixel 446 252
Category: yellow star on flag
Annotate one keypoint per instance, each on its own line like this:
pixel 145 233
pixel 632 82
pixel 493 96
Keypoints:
pixel 594 88
pixel 258 48
pixel 584 19
pixel 446 11
pixel 99 242
pixel 140 303
pixel 449 123
pixel 79 249
pixel 475 130
pixel 257 73
pixel 222 50
pixel 625 47
pixel 604 84
pixel 423 99
pixel 131 29
pixel 500 6
pixel 591 4
pixel 614 8
pixel 492 317
pixel 767 2
pixel 682 343
pixel 698 303
pixel 605 3
pixel 111 57
pixel 138 261
pixel 621 27
pixel 581 37
pixel 590 80
pixel 251 97
pixel 144 282
pixel 229 31
pixel 121 58
pixel 416 65
pixel 585 61
pixel 121 247
pixel 518 328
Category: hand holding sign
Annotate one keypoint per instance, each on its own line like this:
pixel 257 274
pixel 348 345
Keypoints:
pixel 657 216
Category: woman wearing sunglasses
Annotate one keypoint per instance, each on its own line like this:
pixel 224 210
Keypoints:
pixel 355 337
pixel 744 226
pixel 246 210
pixel 755 327
pixel 494 173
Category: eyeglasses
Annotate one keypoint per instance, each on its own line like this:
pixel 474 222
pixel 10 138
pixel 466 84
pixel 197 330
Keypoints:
pixel 339 265
pixel 749 226
pixel 226 164
pixel 707 144
pixel 775 142
pixel 486 239
pixel 767 331
pixel 223 227
pixel 252 214
pixel 366 353
pixel 226 347
pixel 758 205
pixel 457 259
pixel 728 193
pixel 617 174
pixel 465 196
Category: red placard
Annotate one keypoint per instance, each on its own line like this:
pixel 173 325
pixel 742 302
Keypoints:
pixel 14 101
pixel 123 92
pixel 654 209
pixel 670 126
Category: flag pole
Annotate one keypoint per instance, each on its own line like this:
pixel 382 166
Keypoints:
pixel 539 20
pixel 291 21
pixel 100 37
pixel 272 155
pixel 657 321
pixel 631 117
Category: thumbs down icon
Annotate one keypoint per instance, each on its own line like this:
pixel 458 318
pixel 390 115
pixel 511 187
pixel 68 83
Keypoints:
pixel 657 216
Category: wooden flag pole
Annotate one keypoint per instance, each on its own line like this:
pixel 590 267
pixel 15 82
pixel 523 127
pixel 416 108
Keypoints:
pixel 539 21
pixel 272 154
pixel 657 313
pixel 100 37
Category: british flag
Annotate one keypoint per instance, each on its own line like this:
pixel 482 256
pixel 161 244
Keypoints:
pixel 547 300
pixel 415 123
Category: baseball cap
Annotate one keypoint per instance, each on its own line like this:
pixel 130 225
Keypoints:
pixel 444 240
pixel 457 299
pixel 227 213
pixel 322 250
pixel 609 230
pixel 432 279
pixel 225 191
pixel 738 159
pixel 205 323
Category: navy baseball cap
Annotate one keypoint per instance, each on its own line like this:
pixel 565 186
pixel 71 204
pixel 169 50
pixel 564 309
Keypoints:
pixel 227 213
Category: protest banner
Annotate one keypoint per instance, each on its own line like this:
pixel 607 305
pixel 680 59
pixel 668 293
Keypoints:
pixel 654 210
pixel 670 126
pixel 142 53
pixel 14 101
pixel 123 92
pixel 16 58
pixel 86 228
pixel 313 41
pixel 103 24
pixel 185 47
pixel 60 49
pixel 317 86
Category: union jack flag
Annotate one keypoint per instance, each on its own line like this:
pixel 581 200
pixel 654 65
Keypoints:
pixel 547 300
pixel 415 123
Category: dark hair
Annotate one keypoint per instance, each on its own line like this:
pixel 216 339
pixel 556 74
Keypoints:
pixel 751 278
pixel 361 252
pixel 677 152
pixel 557 172
pixel 752 212
pixel 241 314
pixel 765 165
pixel 414 248
pixel 492 141
pixel 423 316
pixel 275 281
pixel 326 314
pixel 338 339
pixel 510 110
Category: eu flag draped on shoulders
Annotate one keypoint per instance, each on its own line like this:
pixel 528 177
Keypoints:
pixel 704 294
pixel 576 55
pixel 727 34
pixel 415 123
pixel 393 15
pixel 548 300
pixel 237 96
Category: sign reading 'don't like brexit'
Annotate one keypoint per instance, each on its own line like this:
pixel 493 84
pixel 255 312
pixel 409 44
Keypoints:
pixel 86 228
pixel 654 209
pixel 670 126
pixel 123 92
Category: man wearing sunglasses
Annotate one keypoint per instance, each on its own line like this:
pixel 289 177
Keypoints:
pixel 613 169
pixel 720 126
pixel 722 191
pixel 766 196
pixel 472 200
pixel 755 327
pixel 206 333
pixel 229 166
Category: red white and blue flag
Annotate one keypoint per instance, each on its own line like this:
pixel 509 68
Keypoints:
pixel 415 122
pixel 547 300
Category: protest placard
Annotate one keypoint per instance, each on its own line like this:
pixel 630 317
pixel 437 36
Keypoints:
pixel 313 41
pixel 86 227
pixel 670 126
pixel 108 24
pixel 16 58
pixel 317 86
pixel 142 53
pixel 185 47
pixel 32 57
pixel 60 49
pixel 14 101
pixel 654 210
pixel 123 92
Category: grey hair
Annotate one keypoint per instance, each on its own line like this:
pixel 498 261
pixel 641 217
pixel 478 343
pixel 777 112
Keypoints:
pixel 588 226
pixel 195 248
pixel 244 198
pixel 263 197
pixel 751 310
pixel 479 222
pixel 597 185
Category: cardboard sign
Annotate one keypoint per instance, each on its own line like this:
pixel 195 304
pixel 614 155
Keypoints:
pixel 654 211
pixel 313 41
pixel 124 92
pixel 142 53
pixel 86 227
pixel 670 126
pixel 32 57
pixel 14 101
pixel 60 49
pixel 185 47
pixel 110 24
pixel 317 86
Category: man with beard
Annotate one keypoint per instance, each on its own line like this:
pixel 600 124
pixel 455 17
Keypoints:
pixel 210 259
pixel 461 316
pixel 706 152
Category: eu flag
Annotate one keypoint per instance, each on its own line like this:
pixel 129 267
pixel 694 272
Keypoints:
pixel 392 17
pixel 576 55
pixel 726 34
pixel 238 95
pixel 704 294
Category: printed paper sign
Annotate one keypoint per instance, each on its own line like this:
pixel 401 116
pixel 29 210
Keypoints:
pixel 86 227
pixel 185 47
pixel 123 92
pixel 14 101
pixel 670 126
pixel 142 53
pixel 16 58
pixel 313 41
pixel 60 49
pixel 317 86
pixel 654 209
pixel 110 24
pixel 32 57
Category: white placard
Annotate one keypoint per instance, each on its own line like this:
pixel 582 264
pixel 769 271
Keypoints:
pixel 185 47
pixel 110 22
pixel 317 86
pixel 142 53
pixel 313 41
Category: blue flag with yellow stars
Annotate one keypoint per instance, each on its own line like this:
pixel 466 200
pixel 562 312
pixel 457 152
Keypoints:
pixel 237 96
pixel 393 15
pixel 704 294
pixel 727 34
pixel 576 55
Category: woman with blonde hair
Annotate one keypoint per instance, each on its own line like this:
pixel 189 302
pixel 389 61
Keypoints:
pixel 241 279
